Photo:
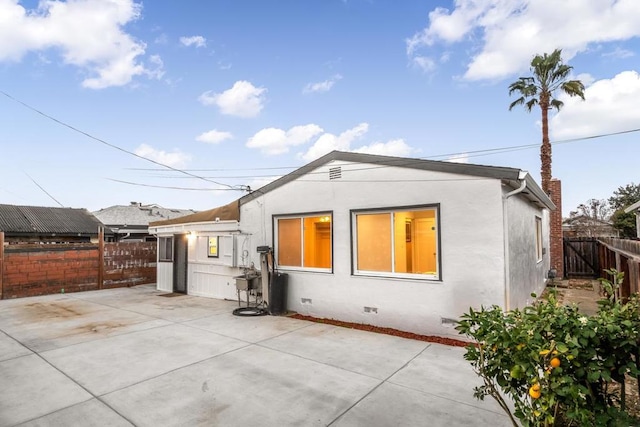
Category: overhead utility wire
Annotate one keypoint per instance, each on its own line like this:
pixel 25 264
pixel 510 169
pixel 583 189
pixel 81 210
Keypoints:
pixel 475 153
pixel 45 191
pixel 171 188
pixel 112 145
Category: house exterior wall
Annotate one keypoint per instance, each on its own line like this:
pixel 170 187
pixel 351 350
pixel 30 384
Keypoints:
pixel 207 276
pixel 526 273
pixel 471 245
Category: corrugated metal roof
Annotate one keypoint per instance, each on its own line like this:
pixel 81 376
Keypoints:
pixel 46 220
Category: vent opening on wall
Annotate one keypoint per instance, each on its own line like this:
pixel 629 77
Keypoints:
pixel 335 173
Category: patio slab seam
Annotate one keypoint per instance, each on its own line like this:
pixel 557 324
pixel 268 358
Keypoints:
pixel 377 386
pixel 185 323
pixel 93 396
pixel 174 370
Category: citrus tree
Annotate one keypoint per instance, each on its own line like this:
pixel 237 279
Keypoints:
pixel 554 364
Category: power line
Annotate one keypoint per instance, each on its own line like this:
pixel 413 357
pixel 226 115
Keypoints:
pixel 112 145
pixel 169 187
pixel 473 153
pixel 45 191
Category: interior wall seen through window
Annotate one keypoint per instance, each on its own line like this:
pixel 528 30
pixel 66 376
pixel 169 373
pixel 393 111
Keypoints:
pixel 397 242
pixel 304 242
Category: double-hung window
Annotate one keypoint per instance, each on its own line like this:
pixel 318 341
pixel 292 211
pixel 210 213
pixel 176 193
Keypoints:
pixel 398 242
pixel 165 249
pixel 304 241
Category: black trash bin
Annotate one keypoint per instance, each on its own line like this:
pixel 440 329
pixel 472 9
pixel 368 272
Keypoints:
pixel 278 293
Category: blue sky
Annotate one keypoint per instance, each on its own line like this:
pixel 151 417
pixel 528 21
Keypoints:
pixel 244 91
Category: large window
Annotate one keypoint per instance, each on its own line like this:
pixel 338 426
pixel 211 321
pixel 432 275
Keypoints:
pixel 397 242
pixel 165 249
pixel 304 241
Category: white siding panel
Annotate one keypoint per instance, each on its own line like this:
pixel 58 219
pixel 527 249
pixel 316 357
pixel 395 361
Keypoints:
pixel 164 279
pixel 213 281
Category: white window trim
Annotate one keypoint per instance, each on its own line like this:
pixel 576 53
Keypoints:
pixel 390 274
pixel 539 240
pixel 302 217
pixel 162 242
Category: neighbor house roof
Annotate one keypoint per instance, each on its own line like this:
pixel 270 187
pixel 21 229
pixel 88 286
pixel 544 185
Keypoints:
pixel 633 207
pixel 29 220
pixel 510 175
pixel 137 215
pixel 230 212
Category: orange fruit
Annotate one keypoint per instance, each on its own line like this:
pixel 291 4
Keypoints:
pixel 534 391
pixel 555 362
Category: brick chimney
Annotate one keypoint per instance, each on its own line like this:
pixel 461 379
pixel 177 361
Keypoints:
pixel 555 223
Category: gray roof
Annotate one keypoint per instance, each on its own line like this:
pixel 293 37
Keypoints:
pixel 137 215
pixel 509 175
pixel 29 220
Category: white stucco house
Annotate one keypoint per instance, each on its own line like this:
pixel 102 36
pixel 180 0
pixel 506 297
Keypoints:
pixel 396 242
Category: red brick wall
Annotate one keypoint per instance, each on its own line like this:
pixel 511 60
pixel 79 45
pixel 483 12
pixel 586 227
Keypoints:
pixel 557 254
pixel 129 263
pixel 30 271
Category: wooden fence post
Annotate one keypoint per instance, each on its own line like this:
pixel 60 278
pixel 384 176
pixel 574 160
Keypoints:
pixel 100 257
pixel 1 261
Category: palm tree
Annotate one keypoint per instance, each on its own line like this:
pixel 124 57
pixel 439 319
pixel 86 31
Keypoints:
pixel 549 75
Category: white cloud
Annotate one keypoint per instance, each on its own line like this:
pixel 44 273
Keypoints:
pixel 395 147
pixel 158 71
pixel 611 105
pixel 506 34
pixel 426 64
pixel 176 159
pixel 257 183
pixel 197 41
pixel 277 141
pixel 619 53
pixel 329 142
pixel 459 158
pixel 242 100
pixel 323 86
pixel 214 136
pixel 88 34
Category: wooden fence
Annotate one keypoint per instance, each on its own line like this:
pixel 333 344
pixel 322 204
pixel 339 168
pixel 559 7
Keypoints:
pixel 623 255
pixel 41 269
pixel 581 257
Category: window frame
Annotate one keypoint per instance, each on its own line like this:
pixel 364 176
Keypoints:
pixel 210 240
pixel 165 243
pixel 391 274
pixel 302 216
pixel 539 239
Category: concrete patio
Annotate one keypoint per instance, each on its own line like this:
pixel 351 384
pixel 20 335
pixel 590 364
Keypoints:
pixel 129 356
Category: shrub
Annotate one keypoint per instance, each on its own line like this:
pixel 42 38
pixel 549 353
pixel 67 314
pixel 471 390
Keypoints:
pixel 555 364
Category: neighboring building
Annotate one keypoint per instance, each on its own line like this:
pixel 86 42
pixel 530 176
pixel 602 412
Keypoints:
pixel 30 224
pixel 395 242
pixel 635 208
pixel 131 222
pixel 586 226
